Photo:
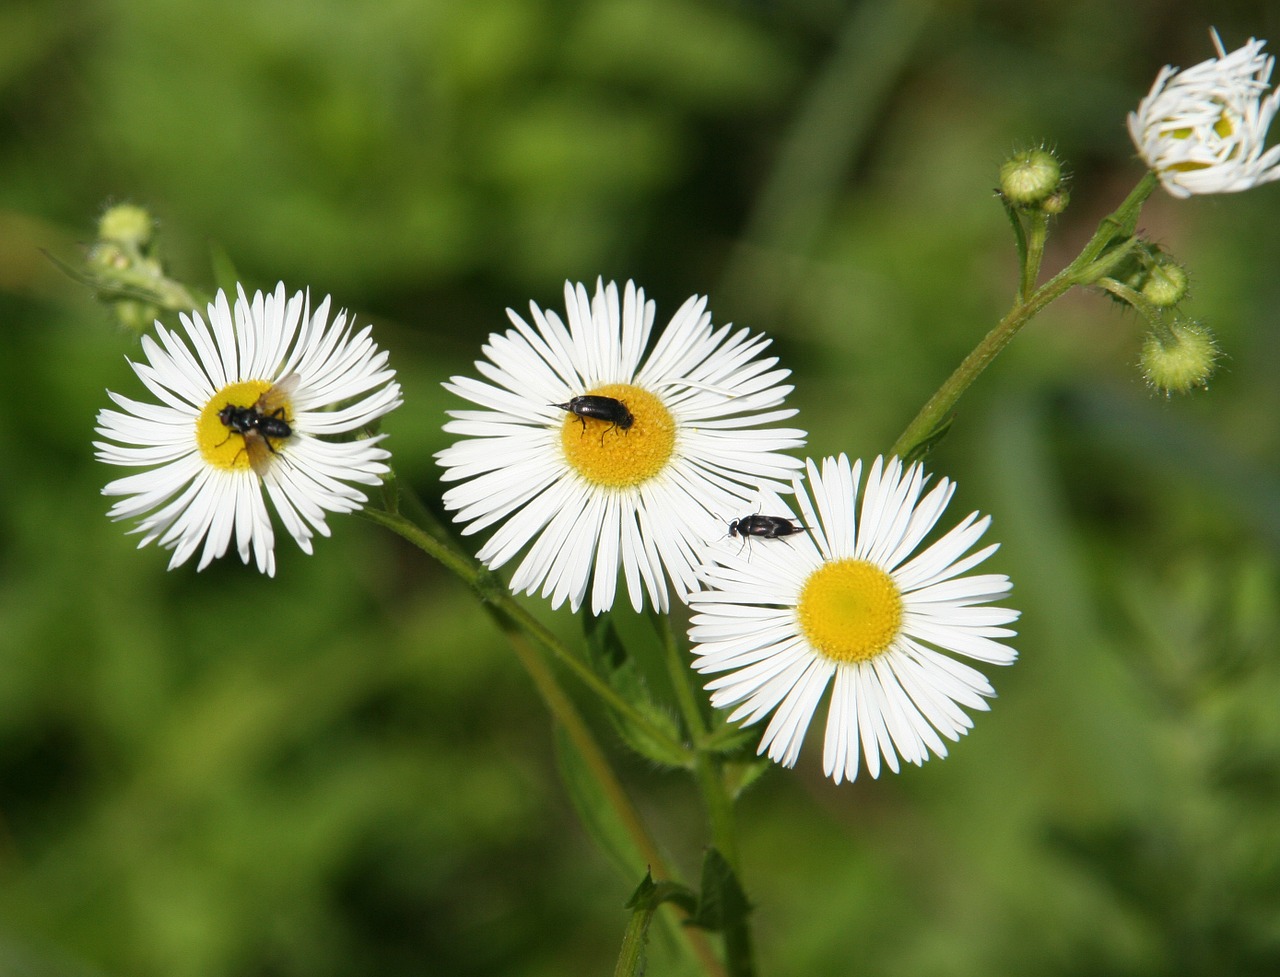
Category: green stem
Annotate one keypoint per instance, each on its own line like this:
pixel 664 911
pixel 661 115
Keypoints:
pixel 935 414
pixel 1155 316
pixel 1035 253
pixel 643 904
pixel 631 957
pixel 715 795
pixel 516 624
pixel 565 713
pixel 1120 224
pixel 1108 246
pixel 707 767
pixel 495 596
pixel 706 764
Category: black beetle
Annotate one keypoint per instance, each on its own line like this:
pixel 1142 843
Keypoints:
pixel 600 409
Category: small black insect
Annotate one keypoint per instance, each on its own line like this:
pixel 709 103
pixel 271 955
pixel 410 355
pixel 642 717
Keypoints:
pixel 261 421
pixel 764 527
pixel 600 409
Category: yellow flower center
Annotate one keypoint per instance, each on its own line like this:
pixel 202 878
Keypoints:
pixel 1224 128
pixel 220 446
pixel 850 610
pixel 605 454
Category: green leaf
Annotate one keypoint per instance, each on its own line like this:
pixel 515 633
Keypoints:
pixel 724 907
pixel 930 440
pixel 728 739
pixel 723 903
pixel 740 775
pixel 611 661
pixel 649 895
pixel 593 808
pixel 644 902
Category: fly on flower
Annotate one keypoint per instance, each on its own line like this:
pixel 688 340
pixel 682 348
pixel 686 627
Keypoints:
pixel 764 527
pixel 249 402
pixel 1204 130
pixel 263 422
pixel 851 606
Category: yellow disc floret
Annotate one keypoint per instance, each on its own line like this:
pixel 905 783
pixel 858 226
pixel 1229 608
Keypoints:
pixel 1224 128
pixel 220 446
pixel 605 454
pixel 850 610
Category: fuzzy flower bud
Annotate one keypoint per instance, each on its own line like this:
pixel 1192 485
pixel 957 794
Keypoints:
pixel 1028 177
pixel 1166 284
pixel 128 225
pixel 125 270
pixel 1056 202
pixel 1180 359
pixel 1203 130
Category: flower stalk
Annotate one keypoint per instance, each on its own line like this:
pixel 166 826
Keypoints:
pixel 708 769
pixel 520 629
pixel 1109 245
pixel 499 602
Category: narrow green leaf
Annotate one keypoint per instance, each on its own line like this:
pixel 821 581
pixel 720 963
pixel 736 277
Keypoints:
pixel 611 662
pixel 930 440
pixel 594 809
pixel 1019 233
pixel 728 739
pixel 724 908
pixel 722 901
pixel 740 775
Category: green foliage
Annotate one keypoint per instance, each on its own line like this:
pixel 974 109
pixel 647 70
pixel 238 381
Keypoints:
pixel 644 902
pixel 342 772
pixel 594 809
pixel 613 662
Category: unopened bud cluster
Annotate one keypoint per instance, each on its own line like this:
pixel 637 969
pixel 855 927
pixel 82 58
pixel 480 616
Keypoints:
pixel 1179 354
pixel 122 267
pixel 1156 279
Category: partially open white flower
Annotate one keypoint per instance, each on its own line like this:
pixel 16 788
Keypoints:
pixel 1203 130
pixel 250 405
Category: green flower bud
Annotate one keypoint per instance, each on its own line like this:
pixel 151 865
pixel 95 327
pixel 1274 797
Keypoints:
pixel 1056 202
pixel 107 257
pixel 1029 177
pixel 135 316
pixel 1166 284
pixel 129 225
pixel 1180 358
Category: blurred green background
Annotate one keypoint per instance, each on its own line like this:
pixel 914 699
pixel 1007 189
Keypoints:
pixel 343 771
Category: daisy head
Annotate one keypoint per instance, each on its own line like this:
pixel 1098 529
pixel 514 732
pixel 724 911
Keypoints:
pixel 849 604
pixel 1204 130
pixel 249 400
pixel 601 455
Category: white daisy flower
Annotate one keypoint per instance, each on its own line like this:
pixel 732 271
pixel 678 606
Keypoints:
pixel 1203 130
pixel 251 408
pixel 602 456
pixel 847 600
